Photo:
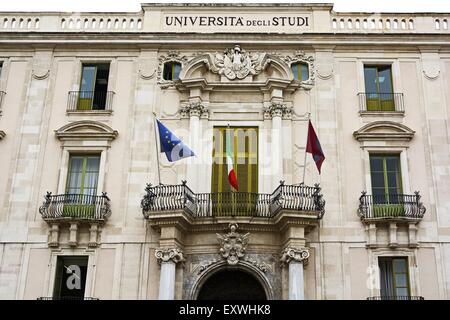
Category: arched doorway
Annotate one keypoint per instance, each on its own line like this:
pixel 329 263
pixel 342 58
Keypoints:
pixel 232 285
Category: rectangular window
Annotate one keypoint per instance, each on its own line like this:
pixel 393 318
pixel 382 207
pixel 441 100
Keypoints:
pixel 394 277
pixel 386 181
pixel 93 87
pixel 245 163
pixel 301 71
pixel 379 88
pixel 83 172
pixel 81 188
pixel 70 279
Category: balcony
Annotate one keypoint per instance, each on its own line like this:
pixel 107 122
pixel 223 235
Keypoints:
pixel 75 211
pixel 75 207
pixel 299 203
pixel 415 298
pixel 90 101
pixel 378 103
pixel 391 207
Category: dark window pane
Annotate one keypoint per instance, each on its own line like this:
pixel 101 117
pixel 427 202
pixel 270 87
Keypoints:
pixel 392 163
pixel 171 71
pixel 70 281
pixel 294 68
pixel 376 163
pixel 384 79
pixel 176 71
pixel 400 265
pixel 378 180
pixel 370 75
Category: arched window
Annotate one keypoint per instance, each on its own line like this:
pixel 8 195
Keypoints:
pixel 300 71
pixel 171 71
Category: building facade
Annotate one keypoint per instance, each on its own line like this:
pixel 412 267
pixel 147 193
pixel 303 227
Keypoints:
pixel 90 207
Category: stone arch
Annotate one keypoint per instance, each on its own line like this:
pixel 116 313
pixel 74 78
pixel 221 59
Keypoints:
pixel 243 266
pixel 384 131
pixel 86 129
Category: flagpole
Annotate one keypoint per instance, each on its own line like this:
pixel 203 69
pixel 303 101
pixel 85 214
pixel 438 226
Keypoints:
pixel 156 147
pixel 308 116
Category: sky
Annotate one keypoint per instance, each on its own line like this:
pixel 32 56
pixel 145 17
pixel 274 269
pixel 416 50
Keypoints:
pixel 134 5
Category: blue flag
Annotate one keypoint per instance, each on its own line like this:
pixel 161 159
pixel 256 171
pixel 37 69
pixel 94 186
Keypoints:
pixel 173 147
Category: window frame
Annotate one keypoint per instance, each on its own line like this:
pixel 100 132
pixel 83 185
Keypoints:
pixel 236 155
pixel 391 259
pixel 57 271
pixel 413 272
pixel 386 186
pixel 50 277
pixel 76 150
pixel 298 66
pixel 83 172
pixel 92 97
pixel 173 63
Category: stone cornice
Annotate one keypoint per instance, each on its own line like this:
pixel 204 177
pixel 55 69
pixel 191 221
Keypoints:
pixel 184 221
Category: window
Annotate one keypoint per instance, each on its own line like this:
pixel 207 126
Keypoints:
pixel 394 277
pixel 93 87
pixel 171 71
pixel 379 88
pixel 300 71
pixel 81 192
pixel 70 280
pixel 386 185
pixel 245 163
pixel 83 172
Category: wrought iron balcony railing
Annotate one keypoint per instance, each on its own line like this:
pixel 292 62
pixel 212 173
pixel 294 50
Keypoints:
pixel 75 207
pixel 90 101
pixel 396 298
pixel 2 94
pixel 392 206
pixel 202 205
pixel 67 298
pixel 381 102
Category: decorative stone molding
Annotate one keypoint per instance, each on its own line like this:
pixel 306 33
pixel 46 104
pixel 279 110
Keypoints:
pixel 194 109
pixel 86 130
pixel 384 131
pixel 233 244
pixel 202 268
pixel 277 109
pixel 325 72
pixel 42 64
pixel 171 56
pixel 169 255
pixel 147 69
pixel 236 63
pixel 297 254
pixel 431 75
pixel 2 134
pixel 261 266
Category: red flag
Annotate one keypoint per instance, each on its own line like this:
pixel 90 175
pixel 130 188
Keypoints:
pixel 313 147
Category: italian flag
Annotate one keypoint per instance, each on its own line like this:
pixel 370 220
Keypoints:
pixel 231 173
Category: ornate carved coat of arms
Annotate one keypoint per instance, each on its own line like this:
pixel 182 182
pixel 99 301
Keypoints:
pixel 236 63
pixel 233 244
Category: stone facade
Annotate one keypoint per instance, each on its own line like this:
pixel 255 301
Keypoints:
pixel 235 69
